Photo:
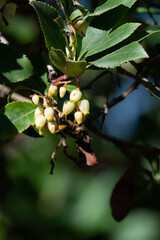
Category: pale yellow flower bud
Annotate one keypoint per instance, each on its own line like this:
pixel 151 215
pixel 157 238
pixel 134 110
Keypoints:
pixel 74 51
pixel 83 106
pixel 40 121
pixel 62 91
pixel 81 26
pixel 75 95
pixel 72 40
pixel 35 99
pixel 78 117
pixel 68 107
pixel 49 113
pixel 41 131
pixel 52 90
pixel 52 127
pixel 38 112
pixel 67 52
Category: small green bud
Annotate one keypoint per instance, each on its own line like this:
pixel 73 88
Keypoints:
pixel 39 111
pixel 68 107
pixel 49 113
pixel 40 121
pixel 75 95
pixel 83 106
pixel 62 92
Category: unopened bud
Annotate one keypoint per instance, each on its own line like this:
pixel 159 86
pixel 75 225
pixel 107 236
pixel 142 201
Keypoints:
pixel 83 106
pixel 45 104
pixel 49 113
pixel 72 40
pixel 81 26
pixel 75 95
pixel 68 107
pixel 52 90
pixel 35 99
pixel 38 112
pixel 67 52
pixel 40 121
pixel 52 127
pixel 62 91
pixel 78 117
pixel 78 24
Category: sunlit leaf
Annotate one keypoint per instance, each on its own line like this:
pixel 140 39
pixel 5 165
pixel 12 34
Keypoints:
pixel 16 117
pixel 113 38
pixel 127 53
pixel 108 5
pixel 92 38
pixel 14 66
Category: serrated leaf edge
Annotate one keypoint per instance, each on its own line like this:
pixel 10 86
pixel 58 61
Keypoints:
pixel 138 24
pixel 92 63
pixel 94 15
pixel 53 19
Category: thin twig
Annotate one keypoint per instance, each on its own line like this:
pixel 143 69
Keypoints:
pixel 4 91
pixel 89 85
pixel 53 157
pixel 124 94
pixel 124 144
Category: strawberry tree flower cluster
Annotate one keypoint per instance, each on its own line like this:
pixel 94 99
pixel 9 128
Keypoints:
pixel 47 114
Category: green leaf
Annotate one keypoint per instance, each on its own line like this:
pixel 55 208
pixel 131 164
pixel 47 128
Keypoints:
pixel 115 16
pixel 70 88
pixel 127 53
pixel 75 14
pixel 108 5
pixel 51 24
pixel 58 59
pixel 113 38
pixel 154 90
pixel 68 67
pixel 15 117
pixel 14 66
pixel 93 37
pixel 144 33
